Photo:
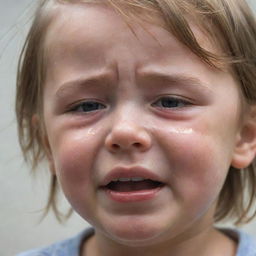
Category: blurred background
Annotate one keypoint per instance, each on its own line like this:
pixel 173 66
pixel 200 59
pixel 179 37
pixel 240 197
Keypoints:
pixel 22 196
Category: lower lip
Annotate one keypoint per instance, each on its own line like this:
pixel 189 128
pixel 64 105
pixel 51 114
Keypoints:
pixel 132 196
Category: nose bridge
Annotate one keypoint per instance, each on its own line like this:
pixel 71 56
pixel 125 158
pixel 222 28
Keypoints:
pixel 129 117
pixel 128 130
pixel 127 114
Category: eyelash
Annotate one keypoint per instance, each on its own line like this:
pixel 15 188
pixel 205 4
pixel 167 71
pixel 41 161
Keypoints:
pixel 165 103
pixel 93 106
pixel 172 102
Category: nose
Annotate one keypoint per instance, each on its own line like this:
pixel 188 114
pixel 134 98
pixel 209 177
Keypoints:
pixel 128 136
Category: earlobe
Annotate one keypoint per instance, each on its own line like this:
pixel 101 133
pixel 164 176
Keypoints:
pixel 45 142
pixel 245 148
pixel 48 153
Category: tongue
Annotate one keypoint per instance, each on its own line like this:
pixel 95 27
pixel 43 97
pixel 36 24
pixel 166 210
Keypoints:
pixel 133 185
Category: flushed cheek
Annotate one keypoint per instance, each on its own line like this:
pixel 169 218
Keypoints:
pixel 198 166
pixel 74 153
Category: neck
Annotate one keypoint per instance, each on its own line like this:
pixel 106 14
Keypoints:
pixel 210 242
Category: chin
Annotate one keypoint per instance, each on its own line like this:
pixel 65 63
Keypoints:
pixel 135 233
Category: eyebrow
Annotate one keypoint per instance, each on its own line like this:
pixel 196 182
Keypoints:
pixel 181 79
pixel 91 80
pixel 104 78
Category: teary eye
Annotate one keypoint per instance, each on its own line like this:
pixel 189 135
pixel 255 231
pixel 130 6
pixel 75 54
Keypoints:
pixel 87 106
pixel 171 102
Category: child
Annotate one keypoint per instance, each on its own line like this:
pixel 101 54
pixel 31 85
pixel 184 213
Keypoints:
pixel 145 111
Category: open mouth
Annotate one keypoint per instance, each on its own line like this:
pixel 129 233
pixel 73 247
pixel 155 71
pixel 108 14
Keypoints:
pixel 133 184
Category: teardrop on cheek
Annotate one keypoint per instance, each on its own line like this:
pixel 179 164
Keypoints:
pixel 180 130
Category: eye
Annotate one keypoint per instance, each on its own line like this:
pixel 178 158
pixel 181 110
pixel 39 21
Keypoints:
pixel 171 102
pixel 87 106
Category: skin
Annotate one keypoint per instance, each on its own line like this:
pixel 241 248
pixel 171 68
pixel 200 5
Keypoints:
pixel 190 146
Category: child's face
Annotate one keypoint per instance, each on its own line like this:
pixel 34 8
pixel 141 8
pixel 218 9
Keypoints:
pixel 118 105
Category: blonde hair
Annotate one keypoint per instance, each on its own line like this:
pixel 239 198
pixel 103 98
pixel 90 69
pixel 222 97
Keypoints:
pixel 230 23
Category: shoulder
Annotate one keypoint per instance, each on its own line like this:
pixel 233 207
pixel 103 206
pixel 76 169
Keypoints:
pixel 66 247
pixel 246 243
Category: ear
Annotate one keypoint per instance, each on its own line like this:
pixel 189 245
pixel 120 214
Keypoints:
pixel 245 148
pixel 45 142
pixel 48 154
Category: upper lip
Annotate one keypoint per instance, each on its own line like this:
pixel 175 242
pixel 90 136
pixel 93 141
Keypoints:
pixel 129 172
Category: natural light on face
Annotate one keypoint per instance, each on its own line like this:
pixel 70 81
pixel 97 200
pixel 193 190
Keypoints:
pixel 117 105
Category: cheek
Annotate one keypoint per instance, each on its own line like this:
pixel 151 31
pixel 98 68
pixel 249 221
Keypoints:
pixel 201 164
pixel 198 165
pixel 74 152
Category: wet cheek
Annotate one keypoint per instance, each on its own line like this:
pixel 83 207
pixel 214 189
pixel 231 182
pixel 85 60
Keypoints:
pixel 73 158
pixel 198 165
pixel 194 159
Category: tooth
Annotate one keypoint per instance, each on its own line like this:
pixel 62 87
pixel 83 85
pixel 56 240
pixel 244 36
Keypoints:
pixel 124 179
pixel 137 179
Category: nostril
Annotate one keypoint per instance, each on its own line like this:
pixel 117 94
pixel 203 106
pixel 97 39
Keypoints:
pixel 115 146
pixel 137 145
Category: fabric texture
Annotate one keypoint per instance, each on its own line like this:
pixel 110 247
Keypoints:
pixel 246 243
pixel 68 247
pixel 71 247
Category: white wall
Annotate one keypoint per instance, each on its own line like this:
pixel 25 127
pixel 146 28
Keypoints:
pixel 21 196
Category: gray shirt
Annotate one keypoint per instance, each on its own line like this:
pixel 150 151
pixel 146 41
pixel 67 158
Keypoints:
pixel 71 246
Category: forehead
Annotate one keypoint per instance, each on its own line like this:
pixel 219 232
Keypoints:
pixel 89 26
pixel 100 25
pixel 86 39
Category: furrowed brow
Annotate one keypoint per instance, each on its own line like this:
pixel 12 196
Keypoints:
pixel 181 79
pixel 92 80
